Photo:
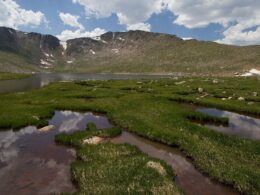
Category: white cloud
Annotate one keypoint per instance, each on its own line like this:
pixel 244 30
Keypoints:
pixel 12 15
pixel 139 26
pixel 237 35
pixel 128 12
pixel 236 16
pixel 71 20
pixel 68 34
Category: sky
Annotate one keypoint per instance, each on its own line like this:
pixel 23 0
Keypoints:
pixel 225 21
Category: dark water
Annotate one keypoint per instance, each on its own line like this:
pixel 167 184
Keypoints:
pixel 188 178
pixel 31 162
pixel 239 125
pixel 39 80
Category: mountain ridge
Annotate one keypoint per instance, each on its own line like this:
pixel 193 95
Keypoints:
pixel 123 52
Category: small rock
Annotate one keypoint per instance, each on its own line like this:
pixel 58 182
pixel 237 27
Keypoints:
pixel 93 140
pixel 180 83
pixel 157 166
pixel 230 98
pixel 215 81
pixel 241 99
pixel 250 103
pixel 200 90
pixel 255 94
pixel 46 128
pixel 224 99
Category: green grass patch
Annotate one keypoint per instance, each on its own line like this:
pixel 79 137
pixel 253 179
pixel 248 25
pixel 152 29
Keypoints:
pixel 115 169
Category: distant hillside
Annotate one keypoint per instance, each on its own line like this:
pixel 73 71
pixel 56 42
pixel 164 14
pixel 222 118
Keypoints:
pixel 125 52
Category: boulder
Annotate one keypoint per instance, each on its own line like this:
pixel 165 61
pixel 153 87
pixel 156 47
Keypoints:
pixel 93 140
pixel 46 128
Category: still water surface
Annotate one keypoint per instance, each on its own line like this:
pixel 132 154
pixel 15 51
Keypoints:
pixel 239 125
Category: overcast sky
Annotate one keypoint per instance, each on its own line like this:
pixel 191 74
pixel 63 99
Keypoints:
pixel 226 21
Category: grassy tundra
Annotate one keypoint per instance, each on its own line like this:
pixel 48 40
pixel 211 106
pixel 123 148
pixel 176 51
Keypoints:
pixel 152 109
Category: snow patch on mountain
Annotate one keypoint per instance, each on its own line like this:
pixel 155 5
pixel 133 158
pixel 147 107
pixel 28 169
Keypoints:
pixel 63 44
pixel 43 62
pixel 93 52
pixel 252 72
pixel 98 38
pixel 116 51
pixel 120 39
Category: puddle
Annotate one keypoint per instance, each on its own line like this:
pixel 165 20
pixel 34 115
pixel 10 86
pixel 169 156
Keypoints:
pixel 188 178
pixel 239 125
pixel 31 162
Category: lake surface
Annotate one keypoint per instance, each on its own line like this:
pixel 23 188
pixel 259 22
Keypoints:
pixel 40 80
pixel 239 125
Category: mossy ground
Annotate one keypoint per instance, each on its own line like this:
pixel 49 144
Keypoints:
pixel 152 109
pixel 115 169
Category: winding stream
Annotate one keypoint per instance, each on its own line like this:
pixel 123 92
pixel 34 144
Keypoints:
pixel 188 178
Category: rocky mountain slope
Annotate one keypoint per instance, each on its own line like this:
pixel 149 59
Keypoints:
pixel 27 51
pixel 125 52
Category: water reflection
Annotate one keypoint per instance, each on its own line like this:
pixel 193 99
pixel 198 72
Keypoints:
pixel 70 121
pixel 240 125
pixel 31 162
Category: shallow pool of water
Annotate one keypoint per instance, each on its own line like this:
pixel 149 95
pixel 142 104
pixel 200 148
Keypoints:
pixel 31 162
pixel 239 125
pixel 188 177
pixel 39 80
